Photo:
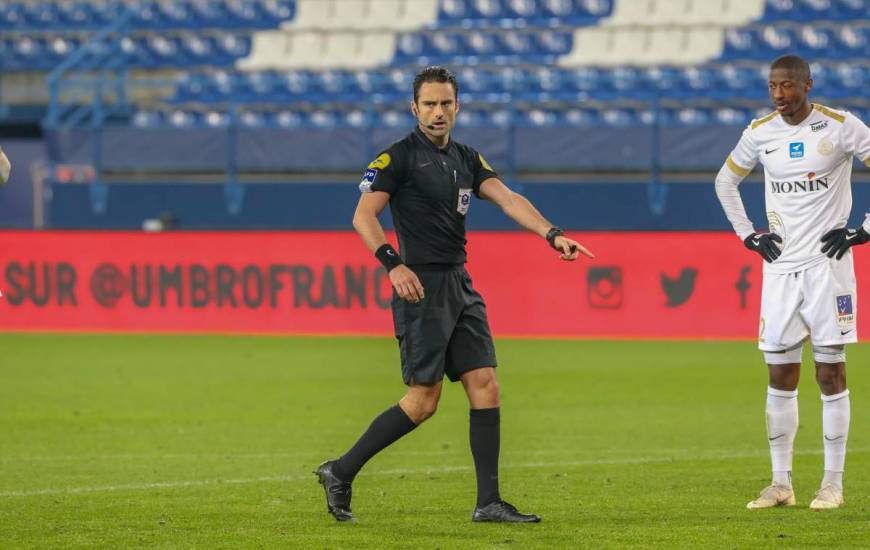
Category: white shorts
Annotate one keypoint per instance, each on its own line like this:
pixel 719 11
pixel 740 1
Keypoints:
pixel 820 301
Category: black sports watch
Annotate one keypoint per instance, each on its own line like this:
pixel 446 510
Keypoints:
pixel 552 234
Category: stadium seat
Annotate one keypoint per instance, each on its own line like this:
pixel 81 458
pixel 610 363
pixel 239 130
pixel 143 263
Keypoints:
pixel 590 45
pixel 287 119
pixel 740 44
pixel 147 119
pixel 635 13
pixel 269 49
pixel 851 41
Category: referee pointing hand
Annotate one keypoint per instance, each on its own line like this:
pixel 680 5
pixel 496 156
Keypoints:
pixel 440 319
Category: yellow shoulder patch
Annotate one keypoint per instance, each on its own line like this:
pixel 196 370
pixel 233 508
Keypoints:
pixel 762 120
pixel 829 112
pixel 381 162
pixel 484 163
pixel 736 168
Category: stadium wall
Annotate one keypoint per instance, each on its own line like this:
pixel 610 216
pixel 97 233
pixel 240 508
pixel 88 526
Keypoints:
pixel 701 285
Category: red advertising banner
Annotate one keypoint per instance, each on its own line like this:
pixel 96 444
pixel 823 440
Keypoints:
pixel 640 285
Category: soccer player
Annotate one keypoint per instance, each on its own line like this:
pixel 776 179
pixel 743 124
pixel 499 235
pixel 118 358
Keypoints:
pixel 808 288
pixel 440 319
pixel 5 167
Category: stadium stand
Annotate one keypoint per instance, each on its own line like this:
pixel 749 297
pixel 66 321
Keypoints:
pixel 324 64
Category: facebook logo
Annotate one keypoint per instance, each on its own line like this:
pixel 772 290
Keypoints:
pixel 796 150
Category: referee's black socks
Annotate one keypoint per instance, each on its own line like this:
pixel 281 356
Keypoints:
pixel 384 430
pixel 485 439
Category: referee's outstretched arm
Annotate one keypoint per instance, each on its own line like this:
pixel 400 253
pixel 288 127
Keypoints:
pixel 519 209
pixel 365 221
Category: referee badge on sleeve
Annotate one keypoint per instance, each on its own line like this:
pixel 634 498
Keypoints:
pixel 464 201
pixel 365 186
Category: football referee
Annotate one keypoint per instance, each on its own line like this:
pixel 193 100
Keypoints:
pixel 440 319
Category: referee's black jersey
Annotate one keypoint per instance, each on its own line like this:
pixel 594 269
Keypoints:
pixel 430 193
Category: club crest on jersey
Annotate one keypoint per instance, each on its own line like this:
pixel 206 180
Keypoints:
pixel 464 201
pixel 845 311
pixel 796 150
pixel 365 186
pixel 825 147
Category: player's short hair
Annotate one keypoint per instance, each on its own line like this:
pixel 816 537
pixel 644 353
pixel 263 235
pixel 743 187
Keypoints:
pixel 435 74
pixel 795 64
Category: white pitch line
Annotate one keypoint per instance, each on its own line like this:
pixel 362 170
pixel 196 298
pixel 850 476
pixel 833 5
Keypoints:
pixel 399 471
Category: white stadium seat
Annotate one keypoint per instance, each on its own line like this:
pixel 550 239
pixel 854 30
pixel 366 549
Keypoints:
pixel 268 49
pixel 630 12
pixel 311 14
pixel 590 45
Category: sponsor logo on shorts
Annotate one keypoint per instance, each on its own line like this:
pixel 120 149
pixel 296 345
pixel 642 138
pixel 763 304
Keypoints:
pixel 845 311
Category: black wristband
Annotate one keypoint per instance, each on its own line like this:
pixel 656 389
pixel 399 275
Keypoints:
pixel 552 234
pixel 388 257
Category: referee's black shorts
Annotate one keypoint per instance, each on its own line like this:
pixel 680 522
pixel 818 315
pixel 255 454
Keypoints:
pixel 447 332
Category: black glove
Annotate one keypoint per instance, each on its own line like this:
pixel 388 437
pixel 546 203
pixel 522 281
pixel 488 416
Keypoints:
pixel 838 241
pixel 764 245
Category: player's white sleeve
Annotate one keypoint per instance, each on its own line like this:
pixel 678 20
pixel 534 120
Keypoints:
pixel 5 168
pixel 737 166
pixel 856 140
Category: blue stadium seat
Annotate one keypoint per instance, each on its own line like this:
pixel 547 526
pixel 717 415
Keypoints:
pixel 814 10
pixel 731 116
pixel 257 87
pixel 253 118
pixel 287 119
pixel 850 79
pixel 698 81
pixel 322 118
pixel 816 43
pixel 395 118
pixel 499 118
pixel 554 43
pixel 355 118
pixel 741 81
pixel 851 41
pixel 851 10
pixel 584 79
pixel 522 9
pixel 537 117
pixel 781 10
pixel 454 11
pixel 618 117
pixel 481 43
pixel 774 42
pixel 487 9
pixel 471 118
pixel 741 44
pixel 663 81
pixel 580 117
pixel 183 118
pixel 690 116
pixel 215 119
pixel 147 119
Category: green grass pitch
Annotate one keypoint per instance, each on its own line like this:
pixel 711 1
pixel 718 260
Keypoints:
pixel 110 441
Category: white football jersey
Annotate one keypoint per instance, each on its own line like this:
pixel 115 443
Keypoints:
pixel 807 178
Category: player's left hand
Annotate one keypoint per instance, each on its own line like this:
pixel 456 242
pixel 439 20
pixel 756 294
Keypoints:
pixel 838 241
pixel 570 248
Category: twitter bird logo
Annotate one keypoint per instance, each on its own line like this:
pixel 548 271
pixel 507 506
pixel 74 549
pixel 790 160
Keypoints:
pixel 679 289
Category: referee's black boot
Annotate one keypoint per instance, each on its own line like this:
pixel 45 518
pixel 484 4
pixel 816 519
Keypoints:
pixel 502 512
pixel 338 492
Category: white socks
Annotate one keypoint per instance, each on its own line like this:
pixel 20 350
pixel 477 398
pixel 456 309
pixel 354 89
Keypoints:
pixel 782 423
pixel 835 427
